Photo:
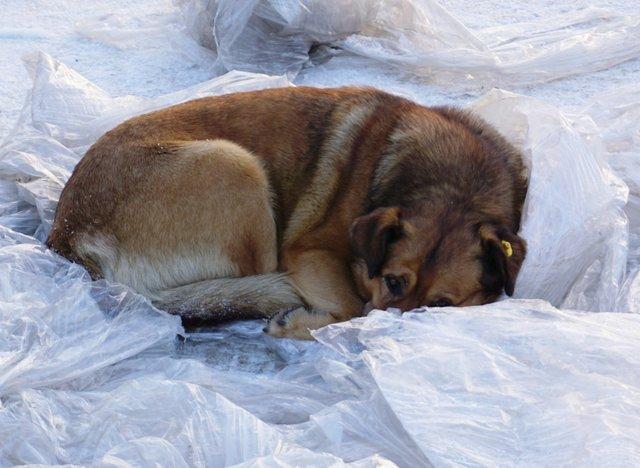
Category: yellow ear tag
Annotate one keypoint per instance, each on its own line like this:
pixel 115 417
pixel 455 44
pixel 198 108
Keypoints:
pixel 506 246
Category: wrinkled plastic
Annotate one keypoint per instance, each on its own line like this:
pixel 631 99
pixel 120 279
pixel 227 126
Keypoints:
pixel 612 119
pixel 517 383
pixel 92 374
pixel 419 36
pixel 573 218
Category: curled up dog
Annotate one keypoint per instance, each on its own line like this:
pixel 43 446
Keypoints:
pixel 309 206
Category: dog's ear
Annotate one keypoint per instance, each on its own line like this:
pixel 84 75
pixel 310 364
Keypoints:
pixel 505 251
pixel 372 233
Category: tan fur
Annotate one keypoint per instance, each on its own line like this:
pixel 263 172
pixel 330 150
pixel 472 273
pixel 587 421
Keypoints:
pixel 166 232
pixel 265 202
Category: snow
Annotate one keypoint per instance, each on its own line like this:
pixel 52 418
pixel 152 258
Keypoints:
pixel 92 374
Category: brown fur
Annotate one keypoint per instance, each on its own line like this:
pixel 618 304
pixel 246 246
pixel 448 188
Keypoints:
pixel 336 188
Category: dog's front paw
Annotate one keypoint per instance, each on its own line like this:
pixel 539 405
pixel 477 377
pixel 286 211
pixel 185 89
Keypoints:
pixel 295 323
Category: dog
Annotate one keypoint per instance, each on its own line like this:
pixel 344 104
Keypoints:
pixel 303 205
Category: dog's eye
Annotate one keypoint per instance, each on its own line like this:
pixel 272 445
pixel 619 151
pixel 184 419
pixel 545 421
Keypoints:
pixel 395 284
pixel 442 302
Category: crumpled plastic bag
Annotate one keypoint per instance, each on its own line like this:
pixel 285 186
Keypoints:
pixel 92 374
pixel 419 36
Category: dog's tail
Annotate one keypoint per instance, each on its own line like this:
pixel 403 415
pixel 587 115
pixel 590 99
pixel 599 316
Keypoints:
pixel 225 299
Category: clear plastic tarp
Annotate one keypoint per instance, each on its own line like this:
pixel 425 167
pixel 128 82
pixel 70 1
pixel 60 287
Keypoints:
pixel 419 36
pixel 92 374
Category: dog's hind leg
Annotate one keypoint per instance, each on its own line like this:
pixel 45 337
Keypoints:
pixel 197 303
pixel 258 296
pixel 197 236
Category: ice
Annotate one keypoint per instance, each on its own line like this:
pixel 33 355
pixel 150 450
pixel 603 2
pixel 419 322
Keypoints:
pixel 92 374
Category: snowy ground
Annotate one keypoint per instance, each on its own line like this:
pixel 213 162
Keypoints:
pixel 92 375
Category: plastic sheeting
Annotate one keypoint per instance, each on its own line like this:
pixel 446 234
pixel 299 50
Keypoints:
pixel 493 386
pixel 573 217
pixel 92 374
pixel 611 119
pixel 420 36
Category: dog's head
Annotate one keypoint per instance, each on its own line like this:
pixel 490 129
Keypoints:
pixel 410 257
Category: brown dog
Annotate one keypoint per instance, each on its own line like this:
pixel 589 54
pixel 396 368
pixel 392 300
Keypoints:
pixel 311 204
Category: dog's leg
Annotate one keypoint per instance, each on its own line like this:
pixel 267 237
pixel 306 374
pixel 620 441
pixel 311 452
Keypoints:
pixel 324 281
pixel 226 299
